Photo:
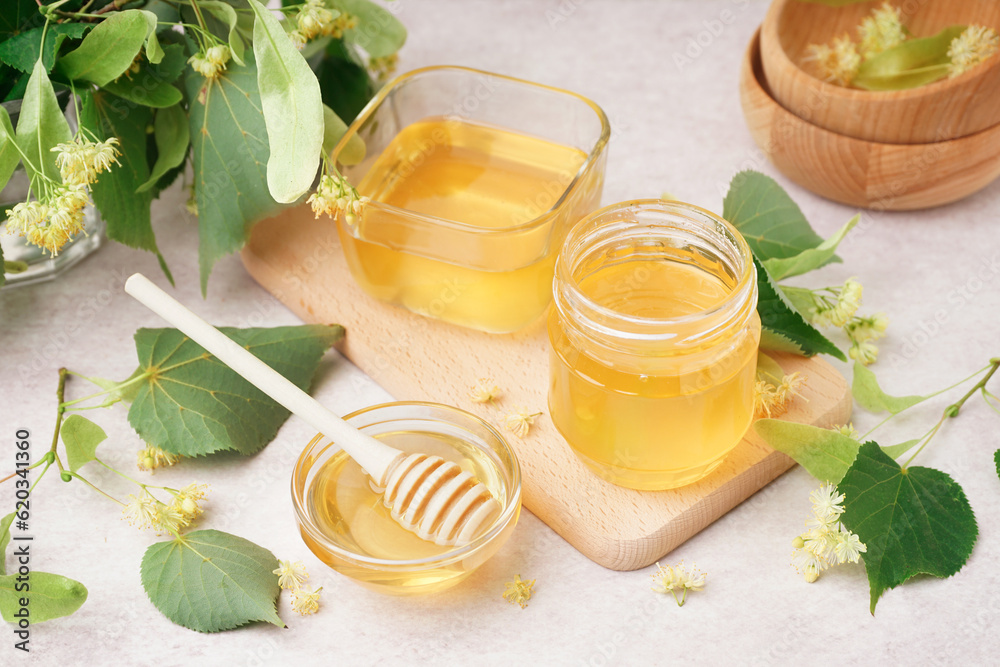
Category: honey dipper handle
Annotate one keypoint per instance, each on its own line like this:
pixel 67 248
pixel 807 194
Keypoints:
pixel 375 457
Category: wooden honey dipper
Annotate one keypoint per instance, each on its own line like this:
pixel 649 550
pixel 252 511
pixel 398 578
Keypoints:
pixel 427 495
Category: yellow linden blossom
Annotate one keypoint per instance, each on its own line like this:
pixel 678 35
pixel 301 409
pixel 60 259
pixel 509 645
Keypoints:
pixel 291 575
pixel 866 353
pixel 169 519
pixel 849 431
pixel 838 63
pixel 848 302
pixel 186 502
pixel 80 161
pixel 519 422
pixel 973 46
pixel 140 511
pixel 485 391
pixel 675 578
pixel 212 62
pixel 826 542
pixel 518 591
pixel 382 68
pixel 50 225
pixel 771 400
pixel 882 30
pixel 305 601
pixel 335 195
pixel 153 457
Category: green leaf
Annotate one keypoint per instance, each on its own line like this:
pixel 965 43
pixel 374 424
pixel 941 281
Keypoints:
pixel 229 141
pixel 345 83
pixel 225 13
pixel 914 63
pixel 81 438
pixel 210 581
pixel 379 32
pixel 769 220
pixel 154 52
pixel 870 396
pixel 125 211
pixel 21 51
pixel 292 105
pixel 159 95
pixel 825 454
pixel 172 135
pixel 50 596
pixel 333 130
pixel 913 521
pixel 41 125
pixel 895 451
pixel 801 298
pixel 191 404
pixel 16 15
pixel 5 540
pixel 784 329
pixel 810 259
pixel 996 459
pixel 108 50
pixel 768 369
pixel 9 157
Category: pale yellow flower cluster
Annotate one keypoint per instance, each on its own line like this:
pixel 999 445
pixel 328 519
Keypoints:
pixel 335 195
pixel 520 421
pixel 315 19
pixel 838 62
pixel 771 400
pixel 519 591
pixel 292 576
pixel 678 577
pixel 485 391
pixel 972 47
pixel 146 511
pixel 826 542
pixel 153 457
pixel 841 312
pixel 882 30
pixel 863 331
pixel 212 62
pixel 80 161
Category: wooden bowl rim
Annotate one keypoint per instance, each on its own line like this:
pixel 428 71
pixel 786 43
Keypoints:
pixel 943 87
pixel 753 54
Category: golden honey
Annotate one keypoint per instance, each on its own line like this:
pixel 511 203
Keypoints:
pixel 345 522
pixel 654 343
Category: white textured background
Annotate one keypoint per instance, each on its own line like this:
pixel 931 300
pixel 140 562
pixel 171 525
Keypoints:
pixel 676 129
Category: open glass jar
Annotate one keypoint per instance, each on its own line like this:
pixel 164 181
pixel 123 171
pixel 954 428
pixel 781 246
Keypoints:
pixel 343 520
pixel 474 179
pixel 654 341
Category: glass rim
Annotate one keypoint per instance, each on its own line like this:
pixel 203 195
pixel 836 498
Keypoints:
pixel 511 507
pixel 542 218
pixel 563 273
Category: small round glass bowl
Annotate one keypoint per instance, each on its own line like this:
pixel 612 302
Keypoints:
pixel 343 520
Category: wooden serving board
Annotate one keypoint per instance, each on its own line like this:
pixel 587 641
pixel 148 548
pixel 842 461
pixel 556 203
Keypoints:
pixel 299 260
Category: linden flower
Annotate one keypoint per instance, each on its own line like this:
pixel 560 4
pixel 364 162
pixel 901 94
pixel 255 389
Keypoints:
pixel 315 19
pixel 827 542
pixel 298 40
pixel 382 68
pixel 519 422
pixel 186 502
pixel 866 353
pixel 291 575
pixel 50 225
pixel 518 591
pixel 771 400
pixel 849 431
pixel 335 195
pixel 80 161
pixel 140 511
pixel 678 578
pixel 169 519
pixel 211 63
pixel 153 457
pixel 840 313
pixel 973 46
pixel 305 601
pixel 882 30
pixel 863 329
pixel 838 63
pixel 485 391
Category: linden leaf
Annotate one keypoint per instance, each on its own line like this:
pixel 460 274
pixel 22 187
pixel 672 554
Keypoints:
pixel 81 438
pixel 22 50
pixel 996 459
pixel 913 521
pixel 9 157
pixel 5 540
pixel 192 404
pixel 333 131
pixel 224 13
pixel 109 49
pixel 379 33
pixel 768 369
pixel 49 596
pixel 210 581
pixel 870 396
pixel 784 329
pixel 911 64
pixel 769 220
pixel 895 451
pixel 825 454
pixel 41 125
pixel 170 129
pixel 810 259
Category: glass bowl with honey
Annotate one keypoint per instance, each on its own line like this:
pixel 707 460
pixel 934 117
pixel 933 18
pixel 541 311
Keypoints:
pixel 344 522
pixel 653 342
pixel 474 179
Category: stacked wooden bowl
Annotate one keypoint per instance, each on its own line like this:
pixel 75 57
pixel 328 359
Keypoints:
pixel 893 150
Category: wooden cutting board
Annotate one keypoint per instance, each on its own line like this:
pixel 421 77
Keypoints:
pixel 299 260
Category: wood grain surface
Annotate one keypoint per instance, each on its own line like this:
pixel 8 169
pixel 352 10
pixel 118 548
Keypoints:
pixel 299 260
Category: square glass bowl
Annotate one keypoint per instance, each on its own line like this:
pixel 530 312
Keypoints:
pixel 474 180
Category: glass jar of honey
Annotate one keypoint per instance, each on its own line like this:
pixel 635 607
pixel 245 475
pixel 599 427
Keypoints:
pixel 654 339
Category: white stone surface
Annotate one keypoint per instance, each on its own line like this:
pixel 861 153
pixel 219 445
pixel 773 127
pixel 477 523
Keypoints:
pixel 675 129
